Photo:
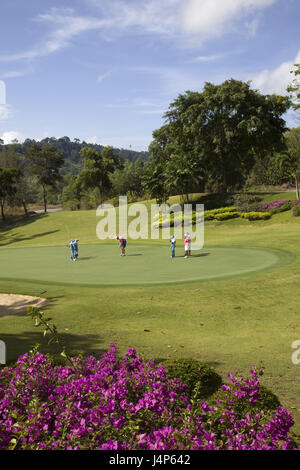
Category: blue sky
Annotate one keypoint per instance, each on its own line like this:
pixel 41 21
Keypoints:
pixel 105 71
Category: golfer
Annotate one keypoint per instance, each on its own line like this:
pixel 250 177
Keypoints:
pixel 187 245
pixel 75 244
pixel 72 251
pixel 173 244
pixel 123 243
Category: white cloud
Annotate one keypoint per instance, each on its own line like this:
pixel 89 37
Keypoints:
pixel 93 140
pixel 9 136
pixel 209 58
pixel 213 18
pixel 276 80
pixel 67 26
pixel 6 112
pixel 177 19
pixel 104 76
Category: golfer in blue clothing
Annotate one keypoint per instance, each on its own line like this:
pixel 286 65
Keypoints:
pixel 72 252
pixel 75 244
pixel 74 249
pixel 173 244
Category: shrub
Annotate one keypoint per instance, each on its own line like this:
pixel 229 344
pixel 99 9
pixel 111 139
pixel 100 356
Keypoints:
pixel 256 215
pixel 226 216
pixel 72 205
pixel 266 401
pixel 296 210
pixel 221 210
pixel 246 202
pixel 194 374
pixel 274 206
pixel 127 403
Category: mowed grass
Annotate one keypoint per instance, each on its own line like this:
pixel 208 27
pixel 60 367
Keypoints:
pixel 100 265
pixel 230 323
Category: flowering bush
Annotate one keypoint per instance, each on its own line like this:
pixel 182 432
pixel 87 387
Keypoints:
pixel 296 202
pixel 226 216
pixel 274 206
pixel 194 374
pixel 127 403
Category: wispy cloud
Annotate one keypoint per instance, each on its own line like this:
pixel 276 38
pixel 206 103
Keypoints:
pixel 6 112
pixel 275 80
pixel 66 26
pixel 209 58
pixel 104 76
pixel 15 73
pixel 179 20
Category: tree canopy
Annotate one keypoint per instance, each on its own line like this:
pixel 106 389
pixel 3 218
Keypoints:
pixel 218 133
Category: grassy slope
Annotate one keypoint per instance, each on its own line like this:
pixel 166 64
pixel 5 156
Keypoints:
pixel 231 323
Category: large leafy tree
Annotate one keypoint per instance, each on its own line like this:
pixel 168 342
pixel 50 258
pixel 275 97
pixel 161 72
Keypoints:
pixel 223 130
pixel 292 157
pixel 44 163
pixel 129 179
pixel 97 169
pixel 9 178
pixel 161 150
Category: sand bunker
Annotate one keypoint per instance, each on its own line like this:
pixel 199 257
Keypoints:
pixel 13 304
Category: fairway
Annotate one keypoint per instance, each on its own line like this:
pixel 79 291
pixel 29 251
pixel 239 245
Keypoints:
pixel 102 265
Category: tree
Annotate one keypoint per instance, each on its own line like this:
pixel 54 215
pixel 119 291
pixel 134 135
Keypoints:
pixel 44 163
pixel 129 180
pixel 97 169
pixel 71 193
pixel 181 174
pixel 9 178
pixel 292 156
pixel 26 192
pixel 294 87
pixel 223 130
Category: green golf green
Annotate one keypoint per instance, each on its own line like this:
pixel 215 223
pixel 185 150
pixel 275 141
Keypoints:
pixel 100 265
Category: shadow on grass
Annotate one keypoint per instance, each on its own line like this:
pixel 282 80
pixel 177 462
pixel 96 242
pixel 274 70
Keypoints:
pixel 19 344
pixel 199 255
pixel 136 254
pixel 13 222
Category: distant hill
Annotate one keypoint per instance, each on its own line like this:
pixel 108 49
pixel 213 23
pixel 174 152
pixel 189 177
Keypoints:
pixel 71 151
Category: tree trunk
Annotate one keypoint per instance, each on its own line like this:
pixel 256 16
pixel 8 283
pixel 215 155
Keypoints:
pixel 224 182
pixel 297 186
pixel 45 199
pixel 2 211
pixel 100 194
pixel 25 208
pixel 224 176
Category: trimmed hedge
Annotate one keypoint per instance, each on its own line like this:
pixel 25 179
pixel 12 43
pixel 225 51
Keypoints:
pixel 226 216
pixel 256 215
